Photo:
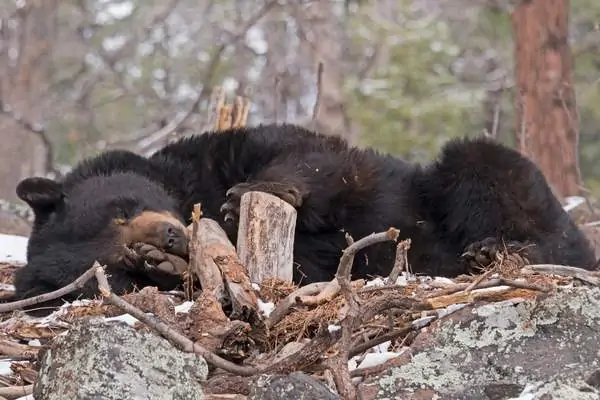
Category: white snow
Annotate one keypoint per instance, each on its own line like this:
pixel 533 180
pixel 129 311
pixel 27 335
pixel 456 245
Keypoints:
pixel 184 307
pixel 265 308
pixel 377 282
pixel 7 287
pixel 573 202
pixel 5 367
pixel 127 318
pixel 13 248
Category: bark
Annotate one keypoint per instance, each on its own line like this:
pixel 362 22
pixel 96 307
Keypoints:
pixel 23 81
pixel 266 237
pixel 322 39
pixel 547 121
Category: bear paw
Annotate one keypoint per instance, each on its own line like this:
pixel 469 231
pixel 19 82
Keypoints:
pixel 147 256
pixel 285 191
pixel 482 253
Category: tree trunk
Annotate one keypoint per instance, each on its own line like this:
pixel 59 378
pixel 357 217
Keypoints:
pixel 547 121
pixel 322 39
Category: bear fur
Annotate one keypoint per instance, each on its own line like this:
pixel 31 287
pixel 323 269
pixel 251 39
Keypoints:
pixel 475 199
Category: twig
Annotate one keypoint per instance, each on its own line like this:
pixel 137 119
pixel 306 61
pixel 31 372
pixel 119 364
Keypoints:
pixel 564 270
pixel 317 104
pixel 339 364
pixel 37 129
pixel 380 339
pixel 458 287
pixel 345 265
pixel 327 294
pixel 376 369
pixel 71 287
pixel 12 392
pixel 479 279
pixel 400 262
pixel 307 355
pixel 284 306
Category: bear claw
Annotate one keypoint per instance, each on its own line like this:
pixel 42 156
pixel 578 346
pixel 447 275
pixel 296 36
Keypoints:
pixel 482 253
pixel 233 196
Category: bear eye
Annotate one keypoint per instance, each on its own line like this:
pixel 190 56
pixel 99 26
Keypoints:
pixel 122 213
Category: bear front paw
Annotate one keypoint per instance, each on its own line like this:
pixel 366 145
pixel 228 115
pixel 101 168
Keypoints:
pixel 285 191
pixel 482 253
pixel 147 256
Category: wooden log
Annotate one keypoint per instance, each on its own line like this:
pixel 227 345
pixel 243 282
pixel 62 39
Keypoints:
pixel 265 243
pixel 213 259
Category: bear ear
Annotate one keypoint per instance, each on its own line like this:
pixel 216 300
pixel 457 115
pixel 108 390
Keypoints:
pixel 40 193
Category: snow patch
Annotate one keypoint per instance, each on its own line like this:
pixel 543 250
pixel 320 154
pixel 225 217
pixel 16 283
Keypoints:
pixel 265 308
pixel 13 249
pixel 5 367
pixel 7 287
pixel 573 202
pixel 127 318
pixel 184 307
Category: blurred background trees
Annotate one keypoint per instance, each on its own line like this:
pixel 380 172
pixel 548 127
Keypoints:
pixel 81 76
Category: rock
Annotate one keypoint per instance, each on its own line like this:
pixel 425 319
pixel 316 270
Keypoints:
pixel 100 360
pixel 296 385
pixel 537 349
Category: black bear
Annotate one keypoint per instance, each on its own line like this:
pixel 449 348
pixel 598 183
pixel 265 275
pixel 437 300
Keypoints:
pixel 476 198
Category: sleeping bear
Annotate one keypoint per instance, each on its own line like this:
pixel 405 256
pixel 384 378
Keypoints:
pixel 475 199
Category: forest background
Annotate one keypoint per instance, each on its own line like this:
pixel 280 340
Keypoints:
pixel 81 76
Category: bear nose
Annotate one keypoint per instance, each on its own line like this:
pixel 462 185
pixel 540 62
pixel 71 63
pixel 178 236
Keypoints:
pixel 175 239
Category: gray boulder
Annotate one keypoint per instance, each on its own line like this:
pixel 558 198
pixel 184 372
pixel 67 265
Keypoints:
pixel 537 349
pixel 100 360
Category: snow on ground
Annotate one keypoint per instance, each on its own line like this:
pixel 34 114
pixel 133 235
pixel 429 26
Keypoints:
pixel 13 249
pixel 5 367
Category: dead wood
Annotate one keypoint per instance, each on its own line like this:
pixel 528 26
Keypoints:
pixel 211 247
pixel 266 233
pixel 13 392
pixel 284 307
pixel 309 354
pixel 206 244
pixel 226 116
pixel 339 363
pixel 591 277
pixel 468 287
pixel 493 293
pixel 13 349
pixel 384 337
pixel 400 262
pixel 213 260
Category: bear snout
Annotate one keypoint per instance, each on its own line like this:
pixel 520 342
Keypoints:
pixel 160 229
pixel 175 239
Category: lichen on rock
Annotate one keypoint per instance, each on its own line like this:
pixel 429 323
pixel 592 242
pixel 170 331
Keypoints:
pixel 96 360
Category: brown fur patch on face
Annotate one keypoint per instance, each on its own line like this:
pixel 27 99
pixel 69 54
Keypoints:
pixel 160 229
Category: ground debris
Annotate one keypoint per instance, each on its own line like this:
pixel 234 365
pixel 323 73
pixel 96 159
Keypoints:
pixel 392 313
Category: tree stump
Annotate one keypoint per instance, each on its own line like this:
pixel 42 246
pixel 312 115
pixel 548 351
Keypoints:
pixel 266 233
